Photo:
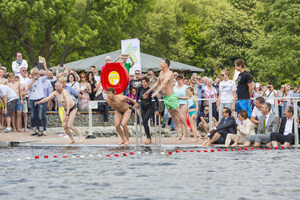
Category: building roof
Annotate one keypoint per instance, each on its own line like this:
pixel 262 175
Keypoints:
pixel 147 61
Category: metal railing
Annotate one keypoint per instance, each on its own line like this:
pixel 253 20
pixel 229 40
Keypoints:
pixel 138 126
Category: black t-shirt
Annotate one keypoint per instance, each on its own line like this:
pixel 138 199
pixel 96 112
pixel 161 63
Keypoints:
pixel 205 117
pixel 135 83
pixel 147 103
pixel 242 88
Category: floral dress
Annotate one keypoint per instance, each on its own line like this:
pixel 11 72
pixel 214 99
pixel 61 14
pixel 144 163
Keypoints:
pixel 83 104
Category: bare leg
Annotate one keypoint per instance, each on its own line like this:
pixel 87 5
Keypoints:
pixel 182 120
pixel 193 125
pixel 256 144
pixel 1 119
pixel 19 121
pixel 68 131
pixel 118 118
pixel 286 144
pixel 25 121
pixel 205 142
pixel 13 121
pixel 274 144
pixel 124 121
pixel 70 125
pixel 247 144
pixel 183 109
pixel 215 138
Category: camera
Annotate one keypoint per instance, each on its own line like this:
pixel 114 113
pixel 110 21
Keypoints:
pixel 269 87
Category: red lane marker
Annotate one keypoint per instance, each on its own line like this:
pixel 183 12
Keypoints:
pixel 212 150
pixel 36 157
pixel 177 151
pixel 219 149
pixel 276 147
pixel 198 151
pixel 282 147
pixel 246 148
pixel 225 149
pixel 288 147
pixel 64 156
pixel 107 155
pixel 263 148
pixel 116 155
pixel 191 151
pixel 257 147
pixel 184 150
pixel 251 148
pixel 54 156
pixel 232 150
pixel 46 156
pixel 239 149
pixel 205 150
pixel 124 154
pixel 270 148
pixel 170 152
pixel 131 153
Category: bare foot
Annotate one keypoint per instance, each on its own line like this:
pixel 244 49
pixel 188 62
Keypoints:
pixel 148 141
pixel 71 142
pixel 183 138
pixel 126 143
pixel 122 142
pixel 80 140
pixel 195 140
pixel 269 144
pixel 25 130
pixel 14 130
pixel 19 130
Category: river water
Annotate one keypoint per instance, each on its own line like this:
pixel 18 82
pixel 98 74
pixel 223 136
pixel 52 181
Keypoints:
pixel 252 174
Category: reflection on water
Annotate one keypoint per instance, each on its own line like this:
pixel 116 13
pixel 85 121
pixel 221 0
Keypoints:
pixel 257 174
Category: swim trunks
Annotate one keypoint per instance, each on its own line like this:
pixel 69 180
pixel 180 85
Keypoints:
pixel 171 102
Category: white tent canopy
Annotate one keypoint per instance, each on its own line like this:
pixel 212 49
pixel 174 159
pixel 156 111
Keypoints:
pixel 147 61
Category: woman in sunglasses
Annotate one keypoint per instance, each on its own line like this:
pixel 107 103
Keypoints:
pixel 85 89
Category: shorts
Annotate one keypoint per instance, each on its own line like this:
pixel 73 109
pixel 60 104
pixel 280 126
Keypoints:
pixel 18 106
pixel 11 105
pixel 25 105
pixel 243 104
pixel 191 113
pixel 171 102
pixel 73 108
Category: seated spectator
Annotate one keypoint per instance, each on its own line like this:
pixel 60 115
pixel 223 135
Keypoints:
pixel 285 136
pixel 256 113
pixel 245 127
pixel 268 123
pixel 219 133
pixel 102 106
pixel 203 120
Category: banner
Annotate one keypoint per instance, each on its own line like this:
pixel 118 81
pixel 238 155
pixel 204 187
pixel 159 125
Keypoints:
pixel 132 47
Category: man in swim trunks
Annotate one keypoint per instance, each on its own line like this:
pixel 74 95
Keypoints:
pixel 166 82
pixel 65 99
pixel 122 112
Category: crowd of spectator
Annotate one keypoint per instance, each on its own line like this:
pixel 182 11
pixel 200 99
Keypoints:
pixel 242 111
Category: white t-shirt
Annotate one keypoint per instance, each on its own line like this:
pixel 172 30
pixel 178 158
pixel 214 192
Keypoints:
pixel 269 95
pixel 256 112
pixel 225 90
pixel 16 67
pixel 97 78
pixel 10 93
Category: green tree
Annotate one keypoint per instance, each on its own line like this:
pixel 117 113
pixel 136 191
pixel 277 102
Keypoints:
pixel 276 58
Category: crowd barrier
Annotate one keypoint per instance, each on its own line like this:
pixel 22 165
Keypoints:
pixel 158 140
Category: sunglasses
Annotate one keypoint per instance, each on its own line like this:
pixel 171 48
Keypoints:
pixel 82 77
pixel 193 83
pixel 42 74
pixel 206 110
pixel 137 74
pixel 198 78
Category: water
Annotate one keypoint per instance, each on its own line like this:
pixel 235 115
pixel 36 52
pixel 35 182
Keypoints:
pixel 252 174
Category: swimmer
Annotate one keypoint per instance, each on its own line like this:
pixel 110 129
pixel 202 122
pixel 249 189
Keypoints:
pixel 192 111
pixel 65 99
pixel 122 112
pixel 166 82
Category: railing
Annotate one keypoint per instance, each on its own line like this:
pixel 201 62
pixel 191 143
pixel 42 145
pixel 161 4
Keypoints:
pixel 138 127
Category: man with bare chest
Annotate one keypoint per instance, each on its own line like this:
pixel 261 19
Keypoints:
pixel 3 81
pixel 65 99
pixel 16 115
pixel 122 112
pixel 166 82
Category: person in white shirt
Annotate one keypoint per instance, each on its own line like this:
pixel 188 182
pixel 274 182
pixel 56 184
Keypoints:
pixel 227 92
pixel 270 94
pixel 9 100
pixel 24 80
pixel 285 135
pixel 256 112
pixel 95 72
pixel 18 64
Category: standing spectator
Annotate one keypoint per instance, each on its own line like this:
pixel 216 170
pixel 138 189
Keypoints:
pixel 256 113
pixel 227 92
pixel 102 106
pixel 268 123
pixel 257 92
pixel 136 82
pixel 217 83
pixel 51 78
pixel 281 93
pixel 5 82
pixel 23 81
pixel 199 86
pixel 85 90
pixel 193 85
pixel 210 92
pixel 16 114
pixel 131 77
pixel 147 108
pixel 295 94
pixel 288 91
pixel 107 60
pixel 270 94
pixel 151 76
pixel 192 111
pixel 92 82
pixel 72 71
pixel 244 88
pixel 186 81
pixel 72 83
pixel 132 94
pixel 127 66
pixel 36 93
pixel 180 91
pixel 246 127
pixel 9 100
pixel 95 73
pixel 175 74
pixel 18 63
pixel 47 87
